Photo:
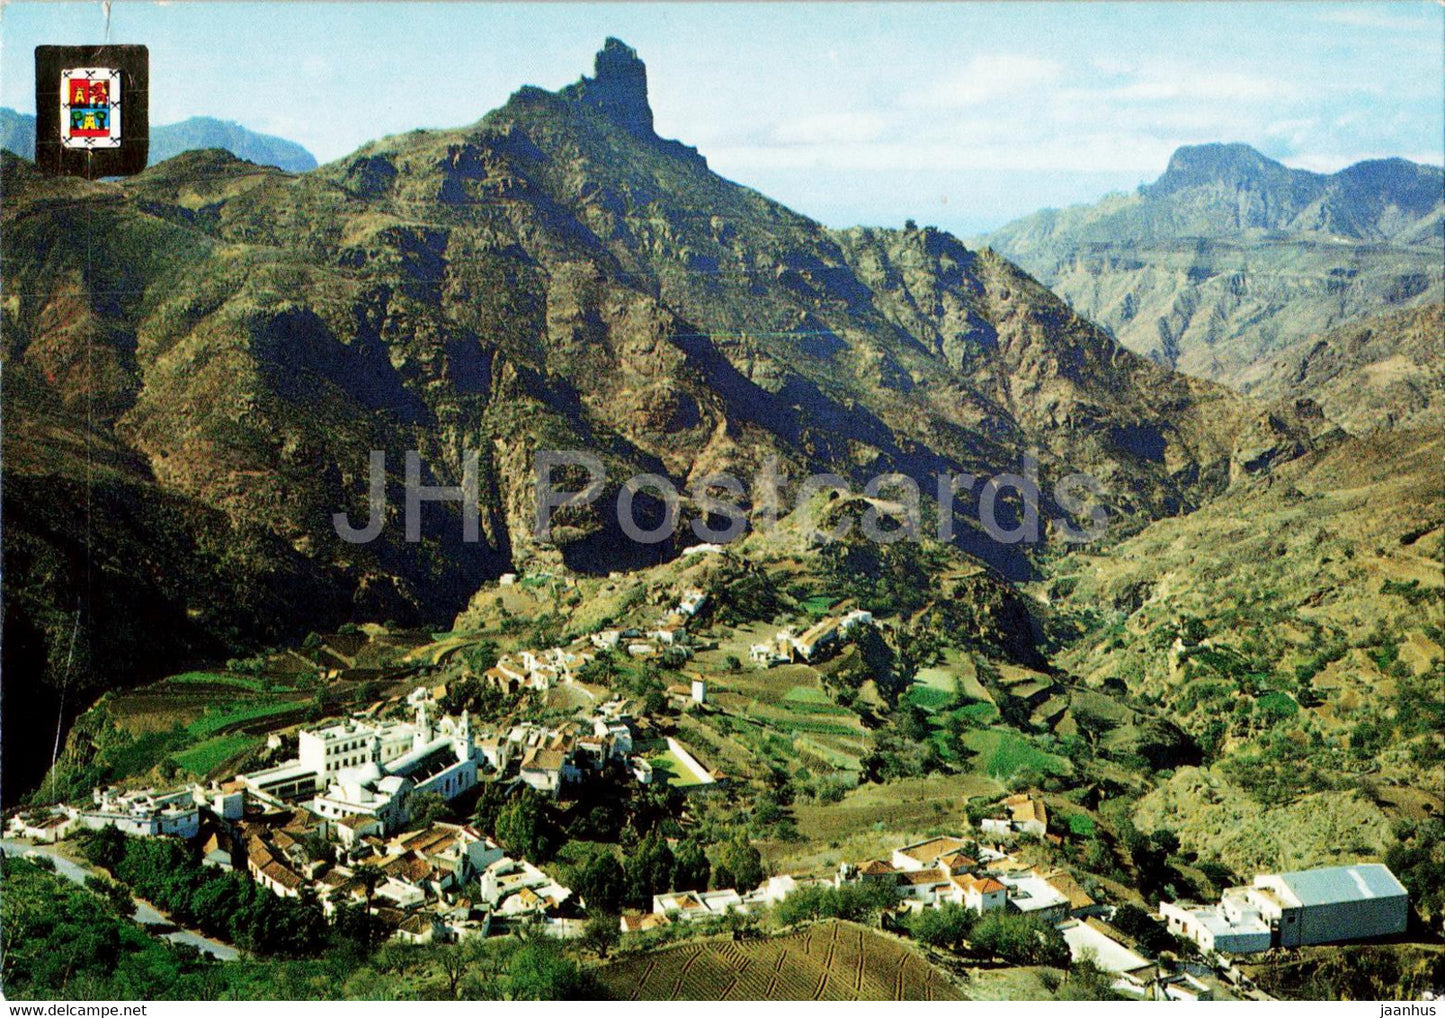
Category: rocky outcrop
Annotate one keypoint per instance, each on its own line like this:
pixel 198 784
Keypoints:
pixel 618 88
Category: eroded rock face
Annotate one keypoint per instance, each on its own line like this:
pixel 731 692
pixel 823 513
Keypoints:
pixel 1285 432
pixel 1377 374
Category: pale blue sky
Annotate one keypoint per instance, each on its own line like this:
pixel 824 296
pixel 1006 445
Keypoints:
pixel 963 115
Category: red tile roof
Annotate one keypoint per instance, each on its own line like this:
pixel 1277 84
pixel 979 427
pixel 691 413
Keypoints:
pixel 279 874
pixel 982 885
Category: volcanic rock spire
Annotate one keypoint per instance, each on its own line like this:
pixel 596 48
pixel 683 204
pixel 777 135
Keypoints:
pixel 618 88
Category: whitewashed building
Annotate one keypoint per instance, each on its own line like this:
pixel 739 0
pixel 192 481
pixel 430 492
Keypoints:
pixel 1329 905
pixel 364 768
pixel 144 812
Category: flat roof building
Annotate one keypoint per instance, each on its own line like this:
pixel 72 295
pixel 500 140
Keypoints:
pixel 1331 904
pixel 1328 905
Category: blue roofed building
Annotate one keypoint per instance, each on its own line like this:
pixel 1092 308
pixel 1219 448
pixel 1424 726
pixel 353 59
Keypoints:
pixel 1331 904
pixel 1322 906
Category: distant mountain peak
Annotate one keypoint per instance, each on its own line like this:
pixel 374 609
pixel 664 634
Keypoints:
pixel 618 88
pixel 1218 162
pixel 17 133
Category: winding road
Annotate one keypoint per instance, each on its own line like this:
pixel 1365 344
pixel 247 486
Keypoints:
pixel 144 914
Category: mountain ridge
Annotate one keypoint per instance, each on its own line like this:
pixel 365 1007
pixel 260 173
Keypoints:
pixel 1229 256
pixel 17 133
pixel 1285 199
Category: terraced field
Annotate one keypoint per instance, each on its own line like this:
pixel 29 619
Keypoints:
pixel 829 961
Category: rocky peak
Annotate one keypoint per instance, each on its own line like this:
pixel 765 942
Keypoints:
pixel 618 88
pixel 1229 164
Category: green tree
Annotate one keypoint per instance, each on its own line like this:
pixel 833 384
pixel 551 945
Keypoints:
pixel 947 926
pixel 113 894
pixel 649 870
pixel 104 848
pixel 691 868
pixel 1020 939
pixel 524 827
pixel 739 864
pixel 602 933
pixel 1418 859
pixel 481 656
pixel 602 882
pixel 493 799
pixel 426 809
pixel 455 961
pixel 913 722
pixel 541 971
pixel 860 902
pixel 1087 981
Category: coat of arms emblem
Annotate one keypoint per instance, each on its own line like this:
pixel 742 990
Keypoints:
pixel 90 108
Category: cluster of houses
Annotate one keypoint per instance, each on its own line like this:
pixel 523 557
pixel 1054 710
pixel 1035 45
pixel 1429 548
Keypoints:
pixel 813 643
pixel 447 882
pixel 688 906
pixel 982 878
pixel 366 769
pixel 667 633
pixel 542 670
pixel 927 874
pixel 985 878
pixel 549 758
pixel 1328 905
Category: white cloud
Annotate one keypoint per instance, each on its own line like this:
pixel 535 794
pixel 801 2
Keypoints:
pixel 1182 83
pixel 1103 152
pixel 1360 17
pixel 987 77
pixel 1295 133
pixel 1113 66
pixel 823 128
pixel 315 65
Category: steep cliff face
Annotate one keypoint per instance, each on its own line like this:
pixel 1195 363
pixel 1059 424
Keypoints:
pixel 1230 256
pixel 232 343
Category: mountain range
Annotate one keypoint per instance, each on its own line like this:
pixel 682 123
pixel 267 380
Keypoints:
pixel 1230 256
pixel 17 134
pixel 201 359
